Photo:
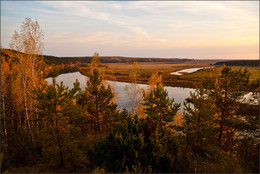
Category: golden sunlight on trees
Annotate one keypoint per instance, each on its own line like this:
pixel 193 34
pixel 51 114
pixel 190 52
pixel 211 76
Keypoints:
pixel 29 41
pixel 57 111
pixel 94 62
pixel 133 91
pixel 12 117
pixel 228 88
pixel 154 80
pixel 99 99
pixel 21 71
pixel 214 122
pixel 53 128
pixel 157 105
pixel 199 125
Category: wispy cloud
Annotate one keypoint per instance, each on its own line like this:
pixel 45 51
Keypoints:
pixel 82 10
pixel 141 28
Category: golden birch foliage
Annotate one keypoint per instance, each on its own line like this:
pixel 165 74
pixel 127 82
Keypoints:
pixel 140 111
pixel 11 88
pixel 133 91
pixel 135 72
pixel 28 45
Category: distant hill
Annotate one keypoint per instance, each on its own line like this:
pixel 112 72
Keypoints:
pixel 112 59
pixel 115 59
pixel 239 63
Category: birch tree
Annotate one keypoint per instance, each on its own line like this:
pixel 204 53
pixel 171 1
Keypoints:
pixel 11 113
pixel 133 90
pixel 29 42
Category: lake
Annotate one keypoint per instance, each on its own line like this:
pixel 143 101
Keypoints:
pixel 123 101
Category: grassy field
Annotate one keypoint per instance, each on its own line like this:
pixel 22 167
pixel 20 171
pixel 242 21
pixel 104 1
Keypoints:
pixel 204 73
pixel 121 71
pixel 147 68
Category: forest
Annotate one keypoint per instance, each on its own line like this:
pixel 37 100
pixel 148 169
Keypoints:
pixel 239 63
pixel 52 128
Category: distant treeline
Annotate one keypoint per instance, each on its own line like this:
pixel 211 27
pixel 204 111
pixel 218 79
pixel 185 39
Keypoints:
pixel 239 63
pixel 121 59
pixel 115 59
pixel 112 59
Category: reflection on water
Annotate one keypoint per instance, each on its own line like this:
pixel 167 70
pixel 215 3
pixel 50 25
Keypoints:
pixel 179 94
pixel 190 70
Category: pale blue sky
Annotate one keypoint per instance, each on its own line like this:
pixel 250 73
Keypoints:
pixel 194 29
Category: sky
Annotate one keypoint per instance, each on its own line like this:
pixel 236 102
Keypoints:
pixel 166 29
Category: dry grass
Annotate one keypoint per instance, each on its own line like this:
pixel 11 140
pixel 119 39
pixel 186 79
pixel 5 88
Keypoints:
pixel 204 73
pixel 147 68
pixel 121 71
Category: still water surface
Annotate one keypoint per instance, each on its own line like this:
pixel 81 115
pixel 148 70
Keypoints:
pixel 179 94
pixel 184 71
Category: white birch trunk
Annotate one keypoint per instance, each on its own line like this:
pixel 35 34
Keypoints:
pixel 34 85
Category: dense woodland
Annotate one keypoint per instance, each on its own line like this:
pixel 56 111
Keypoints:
pixel 239 63
pixel 51 128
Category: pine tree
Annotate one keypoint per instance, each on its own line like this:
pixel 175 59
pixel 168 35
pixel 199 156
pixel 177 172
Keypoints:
pixel 56 109
pixel 158 106
pixel 98 99
pixel 199 125
pixel 227 90
pixel 123 115
pixel 100 103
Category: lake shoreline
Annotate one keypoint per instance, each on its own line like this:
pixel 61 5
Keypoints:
pixel 180 94
pixel 144 80
pixel 122 98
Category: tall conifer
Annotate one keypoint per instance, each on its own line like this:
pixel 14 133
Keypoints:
pixel 159 106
